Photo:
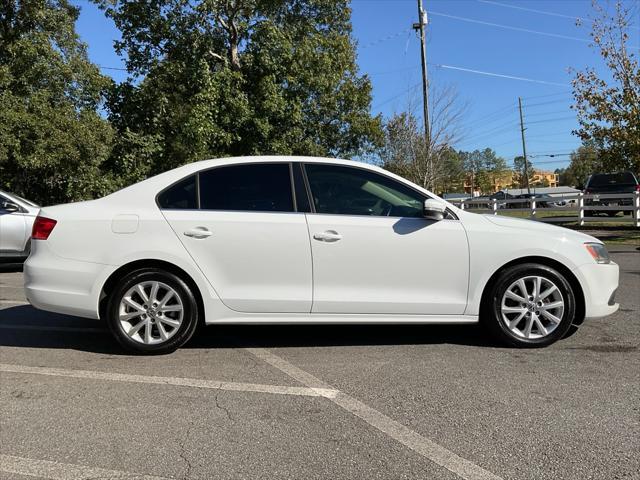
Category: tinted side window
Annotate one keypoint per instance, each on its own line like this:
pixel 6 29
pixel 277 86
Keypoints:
pixel 263 187
pixel 353 191
pixel 182 195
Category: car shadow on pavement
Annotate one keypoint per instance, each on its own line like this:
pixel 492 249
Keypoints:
pixel 10 267
pixel 24 326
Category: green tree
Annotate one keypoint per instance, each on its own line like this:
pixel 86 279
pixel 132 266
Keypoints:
pixel 584 161
pixel 239 77
pixel 483 169
pixel 52 139
pixel 520 174
pixel 609 109
pixel 453 172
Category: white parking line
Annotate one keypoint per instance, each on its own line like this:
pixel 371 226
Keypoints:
pixel 407 437
pixel 63 471
pixel 174 381
pixel 13 302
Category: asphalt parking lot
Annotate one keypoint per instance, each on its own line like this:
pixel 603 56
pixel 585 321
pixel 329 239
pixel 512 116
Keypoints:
pixel 338 402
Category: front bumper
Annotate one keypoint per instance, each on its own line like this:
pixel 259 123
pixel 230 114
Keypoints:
pixel 60 285
pixel 599 283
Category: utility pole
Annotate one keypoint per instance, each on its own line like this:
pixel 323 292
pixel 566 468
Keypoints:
pixel 524 148
pixel 420 26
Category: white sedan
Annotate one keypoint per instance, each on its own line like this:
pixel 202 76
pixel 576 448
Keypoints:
pixel 274 240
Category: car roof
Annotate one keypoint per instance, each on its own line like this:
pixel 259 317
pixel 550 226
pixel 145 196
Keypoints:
pixel 162 180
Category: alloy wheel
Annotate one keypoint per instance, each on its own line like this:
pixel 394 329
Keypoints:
pixel 532 307
pixel 151 312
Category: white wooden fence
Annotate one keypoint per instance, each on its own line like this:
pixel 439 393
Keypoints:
pixel 577 207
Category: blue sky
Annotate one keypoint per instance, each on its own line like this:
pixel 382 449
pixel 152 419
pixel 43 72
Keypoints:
pixel 459 36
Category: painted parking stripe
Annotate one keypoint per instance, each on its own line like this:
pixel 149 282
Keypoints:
pixel 407 437
pixel 173 381
pixel 13 302
pixel 63 471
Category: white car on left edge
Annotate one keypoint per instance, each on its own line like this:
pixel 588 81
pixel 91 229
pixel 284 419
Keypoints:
pixel 16 221
pixel 273 240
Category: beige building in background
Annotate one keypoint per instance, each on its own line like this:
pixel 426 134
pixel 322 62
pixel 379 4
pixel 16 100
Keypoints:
pixel 509 179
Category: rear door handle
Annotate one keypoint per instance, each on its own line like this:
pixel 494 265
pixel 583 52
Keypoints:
pixel 328 236
pixel 198 232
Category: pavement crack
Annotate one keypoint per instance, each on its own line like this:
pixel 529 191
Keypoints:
pixel 184 453
pixel 222 407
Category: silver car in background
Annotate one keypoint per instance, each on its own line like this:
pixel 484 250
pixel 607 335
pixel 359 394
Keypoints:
pixel 16 220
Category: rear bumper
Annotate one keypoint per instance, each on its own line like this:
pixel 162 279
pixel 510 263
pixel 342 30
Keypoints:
pixel 599 283
pixel 61 285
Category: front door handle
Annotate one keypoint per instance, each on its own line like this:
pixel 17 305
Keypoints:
pixel 198 232
pixel 328 236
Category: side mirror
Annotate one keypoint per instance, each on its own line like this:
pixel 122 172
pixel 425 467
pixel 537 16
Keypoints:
pixel 9 207
pixel 433 209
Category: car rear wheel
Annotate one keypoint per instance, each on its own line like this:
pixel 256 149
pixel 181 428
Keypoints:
pixel 152 311
pixel 530 305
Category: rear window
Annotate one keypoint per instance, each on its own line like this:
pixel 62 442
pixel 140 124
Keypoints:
pixel 604 179
pixel 180 196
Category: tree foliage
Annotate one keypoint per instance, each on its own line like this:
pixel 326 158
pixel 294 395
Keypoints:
pixel 52 139
pixel 524 172
pixel 484 168
pixel 407 151
pixel 239 77
pixel 584 161
pixel 609 109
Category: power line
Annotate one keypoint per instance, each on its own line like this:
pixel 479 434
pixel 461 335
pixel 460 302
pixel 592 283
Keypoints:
pixel 537 114
pixel 490 134
pixel 566 92
pixel 509 27
pixel 558 119
pixel 480 72
pixel 542 12
pixel 551 102
pixel 386 72
pixel 384 102
pixel 385 38
pixel 500 75
pixel 494 116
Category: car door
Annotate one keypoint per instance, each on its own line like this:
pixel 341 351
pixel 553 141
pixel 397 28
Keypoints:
pixel 374 253
pixel 243 231
pixel 13 229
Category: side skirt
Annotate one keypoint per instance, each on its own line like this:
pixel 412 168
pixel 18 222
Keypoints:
pixel 366 319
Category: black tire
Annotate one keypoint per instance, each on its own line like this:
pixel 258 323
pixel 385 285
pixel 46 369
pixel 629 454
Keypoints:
pixel 182 333
pixel 492 305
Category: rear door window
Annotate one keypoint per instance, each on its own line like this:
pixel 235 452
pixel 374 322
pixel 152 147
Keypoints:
pixel 258 187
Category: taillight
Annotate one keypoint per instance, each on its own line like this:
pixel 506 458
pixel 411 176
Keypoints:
pixel 638 188
pixel 42 228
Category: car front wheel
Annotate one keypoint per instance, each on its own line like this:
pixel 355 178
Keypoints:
pixel 530 305
pixel 152 311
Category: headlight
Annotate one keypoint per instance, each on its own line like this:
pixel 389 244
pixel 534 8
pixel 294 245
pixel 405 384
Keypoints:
pixel 598 252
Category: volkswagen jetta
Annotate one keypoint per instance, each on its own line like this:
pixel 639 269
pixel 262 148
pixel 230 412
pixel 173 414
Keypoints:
pixel 273 240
